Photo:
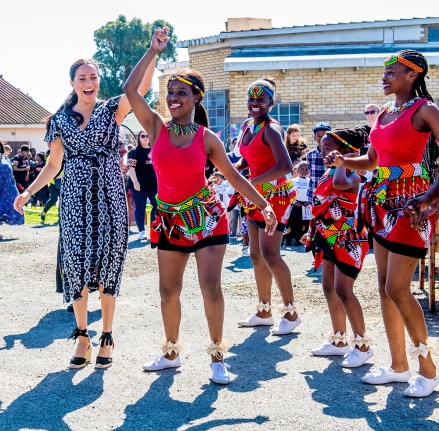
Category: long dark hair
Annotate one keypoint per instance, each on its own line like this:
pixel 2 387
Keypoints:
pixel 431 152
pixel 72 98
pixel 195 77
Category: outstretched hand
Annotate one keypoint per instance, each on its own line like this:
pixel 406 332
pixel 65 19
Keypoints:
pixel 420 209
pixel 160 39
pixel 20 201
pixel 270 220
pixel 334 159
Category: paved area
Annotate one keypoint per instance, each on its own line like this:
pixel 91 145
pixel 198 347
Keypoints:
pixel 278 384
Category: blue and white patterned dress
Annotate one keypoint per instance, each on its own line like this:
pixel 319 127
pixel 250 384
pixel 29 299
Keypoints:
pixel 93 209
pixel 8 193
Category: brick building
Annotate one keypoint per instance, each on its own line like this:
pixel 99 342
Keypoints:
pixel 323 72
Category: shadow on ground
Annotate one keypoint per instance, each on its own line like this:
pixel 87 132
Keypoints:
pixel 344 397
pixel 250 373
pixel 156 410
pixel 55 325
pixel 46 405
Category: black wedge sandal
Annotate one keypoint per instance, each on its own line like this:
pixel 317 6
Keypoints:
pixel 77 361
pixel 106 339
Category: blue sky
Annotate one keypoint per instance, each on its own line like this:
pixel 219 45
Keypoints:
pixel 41 39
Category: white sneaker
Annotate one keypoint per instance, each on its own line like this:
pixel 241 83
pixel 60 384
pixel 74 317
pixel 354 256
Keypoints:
pixel 256 321
pixel 286 326
pixel 220 374
pixel 421 386
pixel 356 358
pixel 329 349
pixel 385 375
pixel 162 363
pixel 245 250
pixel 142 235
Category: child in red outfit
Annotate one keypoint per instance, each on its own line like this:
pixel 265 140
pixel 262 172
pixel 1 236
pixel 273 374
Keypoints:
pixel 342 249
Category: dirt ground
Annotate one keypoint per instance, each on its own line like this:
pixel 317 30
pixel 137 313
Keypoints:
pixel 278 384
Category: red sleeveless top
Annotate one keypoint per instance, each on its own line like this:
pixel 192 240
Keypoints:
pixel 259 156
pixel 398 143
pixel 180 171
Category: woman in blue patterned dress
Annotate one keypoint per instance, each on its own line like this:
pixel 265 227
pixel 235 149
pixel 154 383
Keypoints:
pixel 8 192
pixel 93 209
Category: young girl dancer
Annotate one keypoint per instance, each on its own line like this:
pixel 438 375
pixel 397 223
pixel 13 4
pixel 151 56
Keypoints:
pixel 264 152
pixel 398 139
pixel 342 248
pixel 190 217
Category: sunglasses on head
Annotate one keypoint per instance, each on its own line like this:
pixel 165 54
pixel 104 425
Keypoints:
pixel 370 112
pixel 143 136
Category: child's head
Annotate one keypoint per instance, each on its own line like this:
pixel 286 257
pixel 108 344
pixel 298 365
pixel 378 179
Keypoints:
pixel 292 135
pixel 319 131
pixel 343 140
pixel 218 177
pixel 302 169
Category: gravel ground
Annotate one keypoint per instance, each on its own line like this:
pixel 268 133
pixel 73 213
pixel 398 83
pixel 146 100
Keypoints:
pixel 278 384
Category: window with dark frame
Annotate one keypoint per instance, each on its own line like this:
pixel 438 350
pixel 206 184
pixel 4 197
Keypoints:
pixel 433 34
pixel 216 104
pixel 286 113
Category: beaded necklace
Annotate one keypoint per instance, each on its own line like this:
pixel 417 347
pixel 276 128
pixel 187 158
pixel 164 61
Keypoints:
pixel 254 129
pixel 392 109
pixel 182 129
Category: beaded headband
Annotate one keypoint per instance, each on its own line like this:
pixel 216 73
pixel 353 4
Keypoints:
pixel 186 81
pixel 343 141
pixel 396 58
pixel 256 90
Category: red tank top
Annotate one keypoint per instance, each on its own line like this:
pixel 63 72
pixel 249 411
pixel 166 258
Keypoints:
pixel 398 143
pixel 180 171
pixel 259 156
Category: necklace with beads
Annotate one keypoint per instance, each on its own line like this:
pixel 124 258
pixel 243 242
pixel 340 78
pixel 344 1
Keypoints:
pixel 392 109
pixel 182 129
pixel 254 128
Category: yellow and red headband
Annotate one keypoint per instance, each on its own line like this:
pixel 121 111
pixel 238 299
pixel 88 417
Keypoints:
pixel 396 58
pixel 186 81
pixel 343 141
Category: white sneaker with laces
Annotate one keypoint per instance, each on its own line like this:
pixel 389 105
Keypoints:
pixel 162 363
pixel 421 386
pixel 356 358
pixel 329 349
pixel 256 321
pixel 385 375
pixel 142 235
pixel 220 374
pixel 286 326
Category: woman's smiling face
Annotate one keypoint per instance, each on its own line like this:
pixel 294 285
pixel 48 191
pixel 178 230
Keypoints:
pixel 86 82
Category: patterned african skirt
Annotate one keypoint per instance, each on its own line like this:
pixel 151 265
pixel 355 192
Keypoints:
pixel 280 194
pixel 335 233
pixel 197 222
pixel 382 207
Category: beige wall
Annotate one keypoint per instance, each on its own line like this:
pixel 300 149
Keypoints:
pixel 33 134
pixel 337 96
pixel 211 66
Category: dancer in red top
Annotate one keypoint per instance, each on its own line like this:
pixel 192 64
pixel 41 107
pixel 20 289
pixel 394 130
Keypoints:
pixel 398 140
pixel 343 246
pixel 190 218
pixel 264 152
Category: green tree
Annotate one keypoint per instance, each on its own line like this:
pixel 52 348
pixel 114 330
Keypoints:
pixel 120 45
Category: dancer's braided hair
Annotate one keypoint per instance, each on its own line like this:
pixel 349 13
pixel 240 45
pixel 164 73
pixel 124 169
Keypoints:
pixel 431 152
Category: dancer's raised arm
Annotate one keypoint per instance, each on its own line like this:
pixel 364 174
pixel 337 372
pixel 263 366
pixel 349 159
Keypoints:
pixel 148 118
